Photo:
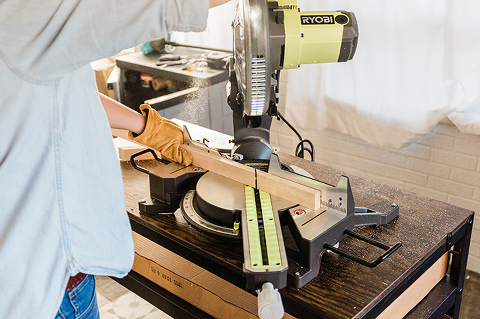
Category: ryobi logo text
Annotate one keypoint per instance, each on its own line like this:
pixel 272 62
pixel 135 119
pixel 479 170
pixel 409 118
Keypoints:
pixel 318 19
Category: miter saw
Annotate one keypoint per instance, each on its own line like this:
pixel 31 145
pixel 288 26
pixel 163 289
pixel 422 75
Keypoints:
pixel 250 202
pixel 270 36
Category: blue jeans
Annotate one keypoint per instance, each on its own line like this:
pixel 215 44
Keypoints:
pixel 80 302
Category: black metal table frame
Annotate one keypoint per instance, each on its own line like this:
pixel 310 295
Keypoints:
pixel 445 297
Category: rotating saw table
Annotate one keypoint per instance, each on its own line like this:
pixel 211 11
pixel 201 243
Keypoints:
pixel 428 229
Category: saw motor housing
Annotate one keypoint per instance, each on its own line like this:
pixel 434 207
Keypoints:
pixel 270 36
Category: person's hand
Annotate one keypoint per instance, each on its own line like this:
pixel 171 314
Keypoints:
pixel 214 3
pixel 163 135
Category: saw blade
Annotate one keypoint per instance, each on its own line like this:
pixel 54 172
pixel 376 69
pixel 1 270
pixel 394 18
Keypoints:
pixel 252 53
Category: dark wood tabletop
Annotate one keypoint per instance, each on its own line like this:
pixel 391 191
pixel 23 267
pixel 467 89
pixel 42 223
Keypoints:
pixel 343 288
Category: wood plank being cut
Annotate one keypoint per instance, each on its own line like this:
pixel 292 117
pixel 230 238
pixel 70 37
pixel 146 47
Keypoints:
pixel 294 192
pixel 211 160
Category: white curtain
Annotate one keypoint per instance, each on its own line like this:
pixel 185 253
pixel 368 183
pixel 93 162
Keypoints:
pixel 417 62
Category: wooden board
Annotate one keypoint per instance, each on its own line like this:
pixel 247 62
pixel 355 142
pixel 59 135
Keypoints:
pixel 211 160
pixel 417 291
pixel 126 148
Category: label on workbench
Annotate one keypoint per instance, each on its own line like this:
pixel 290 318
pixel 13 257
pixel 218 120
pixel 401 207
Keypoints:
pixel 215 303
pixel 165 278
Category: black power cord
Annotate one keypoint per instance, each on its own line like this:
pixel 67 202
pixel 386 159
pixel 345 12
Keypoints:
pixel 273 111
pixel 304 146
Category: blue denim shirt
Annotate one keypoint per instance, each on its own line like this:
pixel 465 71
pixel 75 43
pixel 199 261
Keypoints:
pixel 61 196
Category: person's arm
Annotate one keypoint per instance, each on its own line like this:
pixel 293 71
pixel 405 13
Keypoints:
pixel 44 40
pixel 121 117
pixel 148 128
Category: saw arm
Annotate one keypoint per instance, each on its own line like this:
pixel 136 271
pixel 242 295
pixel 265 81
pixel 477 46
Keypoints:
pixel 270 36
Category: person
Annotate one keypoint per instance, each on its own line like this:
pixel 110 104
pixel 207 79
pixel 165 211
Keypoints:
pixel 61 195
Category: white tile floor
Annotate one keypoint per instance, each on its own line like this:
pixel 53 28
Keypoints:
pixel 117 302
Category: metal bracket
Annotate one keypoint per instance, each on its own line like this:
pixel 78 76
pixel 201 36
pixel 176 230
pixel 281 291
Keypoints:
pixel 389 249
pixel 141 169
pixel 449 241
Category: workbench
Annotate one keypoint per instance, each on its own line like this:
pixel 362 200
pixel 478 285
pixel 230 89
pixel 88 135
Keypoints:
pixel 428 230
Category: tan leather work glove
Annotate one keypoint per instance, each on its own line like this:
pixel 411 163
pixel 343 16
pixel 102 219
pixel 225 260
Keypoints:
pixel 163 135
